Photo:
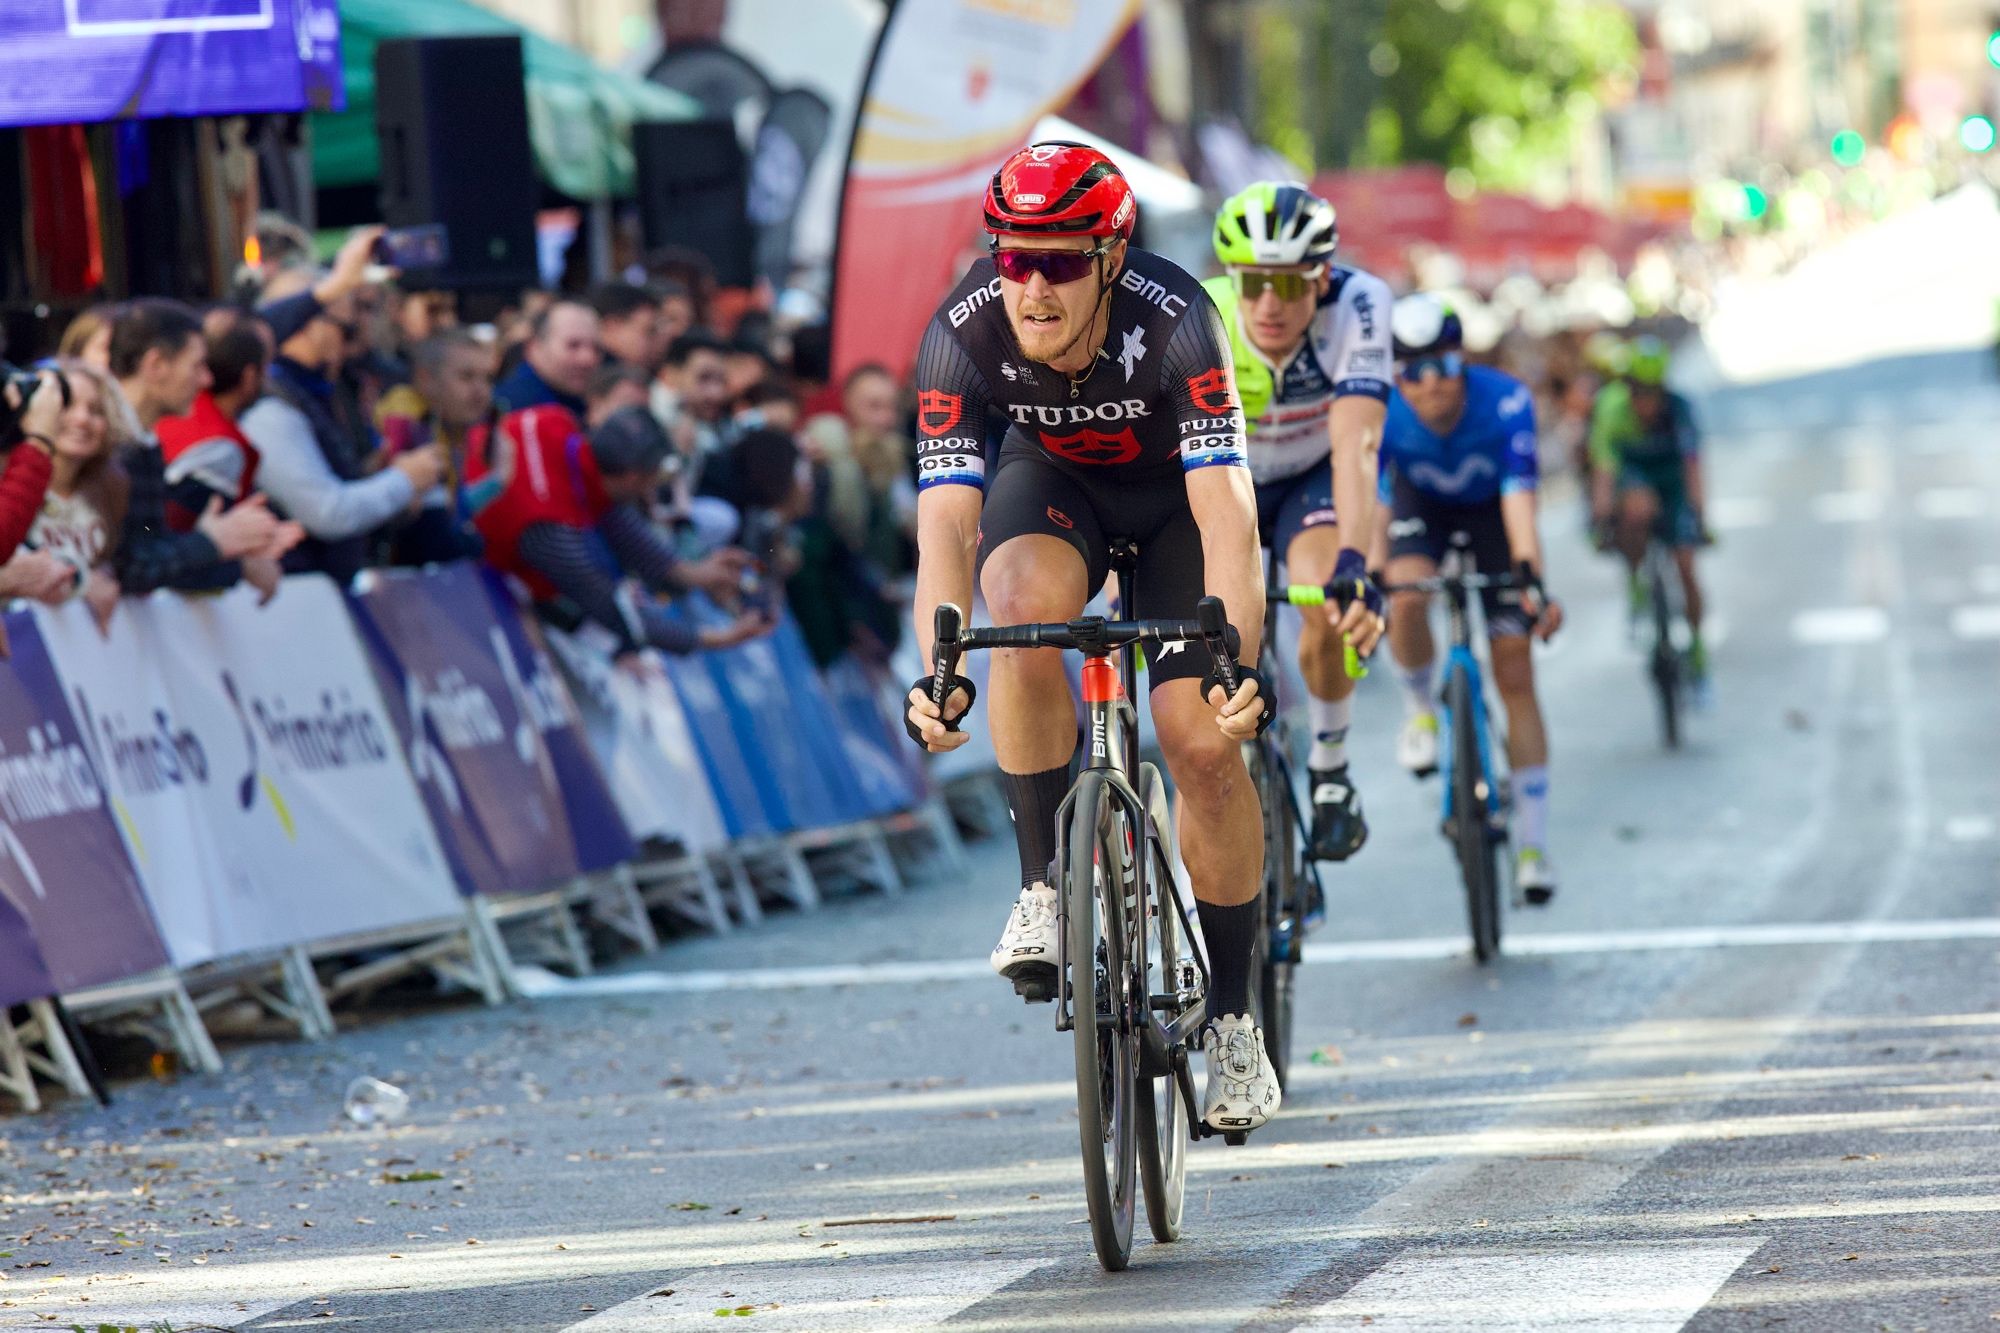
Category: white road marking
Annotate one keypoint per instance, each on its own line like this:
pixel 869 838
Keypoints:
pixel 1968 828
pixel 821 1294
pixel 1847 506
pixel 1841 624
pixel 1954 502
pixel 1976 622
pixel 1733 513
pixel 539 983
pixel 94 1306
pixel 1647 1288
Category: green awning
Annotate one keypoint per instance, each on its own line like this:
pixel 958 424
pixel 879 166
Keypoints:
pixel 580 114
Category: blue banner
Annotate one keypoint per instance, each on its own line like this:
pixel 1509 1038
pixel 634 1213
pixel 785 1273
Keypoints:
pixel 478 756
pixel 65 61
pixel 739 794
pixel 63 869
pixel 602 840
pixel 763 707
pixel 888 769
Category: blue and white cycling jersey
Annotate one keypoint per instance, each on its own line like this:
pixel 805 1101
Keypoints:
pixel 1489 453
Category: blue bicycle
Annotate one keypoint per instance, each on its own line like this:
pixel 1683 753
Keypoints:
pixel 1475 790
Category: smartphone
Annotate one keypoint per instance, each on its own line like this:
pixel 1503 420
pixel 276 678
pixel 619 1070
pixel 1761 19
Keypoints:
pixel 414 248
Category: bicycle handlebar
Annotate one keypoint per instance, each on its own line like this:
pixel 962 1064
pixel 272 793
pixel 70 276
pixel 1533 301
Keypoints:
pixel 1309 595
pixel 1093 635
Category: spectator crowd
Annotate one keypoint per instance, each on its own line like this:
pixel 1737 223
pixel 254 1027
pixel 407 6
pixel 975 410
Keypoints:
pixel 613 454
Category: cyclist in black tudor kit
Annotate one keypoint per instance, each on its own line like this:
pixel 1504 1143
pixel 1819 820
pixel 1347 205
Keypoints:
pixel 1112 367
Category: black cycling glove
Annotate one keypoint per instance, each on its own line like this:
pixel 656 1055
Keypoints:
pixel 1243 673
pixel 1352 582
pixel 922 685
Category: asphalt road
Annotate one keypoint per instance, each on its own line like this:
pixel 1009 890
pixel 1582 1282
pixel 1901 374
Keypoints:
pixel 1740 1075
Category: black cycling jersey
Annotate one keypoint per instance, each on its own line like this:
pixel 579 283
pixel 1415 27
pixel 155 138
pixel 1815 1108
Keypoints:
pixel 1160 389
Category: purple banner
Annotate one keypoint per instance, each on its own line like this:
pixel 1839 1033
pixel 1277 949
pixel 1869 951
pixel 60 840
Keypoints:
pixel 601 837
pixel 63 868
pixel 23 975
pixel 64 61
pixel 478 756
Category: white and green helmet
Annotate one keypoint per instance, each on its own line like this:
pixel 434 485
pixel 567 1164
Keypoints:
pixel 1273 224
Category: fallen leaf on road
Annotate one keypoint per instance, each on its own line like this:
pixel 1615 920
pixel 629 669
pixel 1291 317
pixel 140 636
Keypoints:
pixel 1468 1020
pixel 413 1177
pixel 1772 1269
pixel 890 1221
pixel 663 1291
pixel 1850 1257
pixel 690 1206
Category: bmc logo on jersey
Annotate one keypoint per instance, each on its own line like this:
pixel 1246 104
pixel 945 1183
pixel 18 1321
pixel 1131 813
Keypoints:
pixel 1153 290
pixel 1093 447
pixel 938 412
pixel 1210 392
pixel 974 299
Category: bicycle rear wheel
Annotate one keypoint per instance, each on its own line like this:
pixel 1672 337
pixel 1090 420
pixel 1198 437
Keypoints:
pixel 1472 837
pixel 1162 1123
pixel 1106 1040
pixel 1274 956
pixel 1668 681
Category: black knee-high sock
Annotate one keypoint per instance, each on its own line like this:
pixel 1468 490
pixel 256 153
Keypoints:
pixel 1034 798
pixel 1230 932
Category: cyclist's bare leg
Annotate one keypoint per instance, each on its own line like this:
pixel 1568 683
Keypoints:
pixel 1222 838
pixel 1514 678
pixel 1033 579
pixel 1638 510
pixel 1309 559
pixel 1410 641
pixel 1222 831
pixel 1690 585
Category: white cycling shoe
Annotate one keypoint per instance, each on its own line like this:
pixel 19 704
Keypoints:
pixel 1417 744
pixel 1026 953
pixel 1242 1090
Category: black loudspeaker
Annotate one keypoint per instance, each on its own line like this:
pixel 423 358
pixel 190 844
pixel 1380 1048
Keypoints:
pixel 693 193
pixel 451 114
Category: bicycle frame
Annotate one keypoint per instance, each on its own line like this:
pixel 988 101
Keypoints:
pixel 1461 657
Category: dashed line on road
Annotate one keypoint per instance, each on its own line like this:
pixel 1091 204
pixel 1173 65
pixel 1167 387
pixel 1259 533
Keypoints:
pixel 1976 622
pixel 539 983
pixel 1649 1288
pixel 1841 625
pixel 861 1297
pixel 1951 502
pixel 1847 506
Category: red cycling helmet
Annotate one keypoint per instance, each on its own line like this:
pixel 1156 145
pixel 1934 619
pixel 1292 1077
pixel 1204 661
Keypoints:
pixel 1060 188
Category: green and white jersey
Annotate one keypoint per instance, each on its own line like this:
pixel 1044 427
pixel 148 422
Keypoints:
pixel 1346 350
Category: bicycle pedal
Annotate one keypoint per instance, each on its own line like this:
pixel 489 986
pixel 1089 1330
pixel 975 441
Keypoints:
pixel 1035 982
pixel 1236 1139
pixel 1537 897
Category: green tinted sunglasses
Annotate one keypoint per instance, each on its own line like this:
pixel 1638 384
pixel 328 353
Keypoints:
pixel 1289 285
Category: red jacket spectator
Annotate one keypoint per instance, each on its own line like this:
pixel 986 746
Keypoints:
pixel 570 521
pixel 556 481
pixel 206 453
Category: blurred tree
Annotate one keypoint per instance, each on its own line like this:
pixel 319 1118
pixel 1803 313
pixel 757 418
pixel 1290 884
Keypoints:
pixel 1497 88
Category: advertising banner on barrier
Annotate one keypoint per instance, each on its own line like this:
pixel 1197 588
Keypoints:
pixel 64 873
pixel 260 785
pixel 23 975
pixel 602 839
pixel 888 769
pixel 642 739
pixel 473 746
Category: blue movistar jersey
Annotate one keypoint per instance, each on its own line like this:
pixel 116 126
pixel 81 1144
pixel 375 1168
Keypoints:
pixel 1489 453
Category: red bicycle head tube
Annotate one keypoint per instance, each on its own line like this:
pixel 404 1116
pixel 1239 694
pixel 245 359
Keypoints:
pixel 1100 681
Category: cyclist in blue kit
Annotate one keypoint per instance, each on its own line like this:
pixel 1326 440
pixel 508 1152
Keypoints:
pixel 1458 457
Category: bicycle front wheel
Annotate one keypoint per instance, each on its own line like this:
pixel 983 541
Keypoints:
pixel 1472 837
pixel 1105 1031
pixel 1666 664
pixel 1163 1117
pixel 1277 947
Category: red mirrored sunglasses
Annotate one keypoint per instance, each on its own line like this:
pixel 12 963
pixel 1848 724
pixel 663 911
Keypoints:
pixel 1058 266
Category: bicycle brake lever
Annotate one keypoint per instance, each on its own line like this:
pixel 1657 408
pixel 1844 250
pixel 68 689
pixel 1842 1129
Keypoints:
pixel 1214 622
pixel 949 624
